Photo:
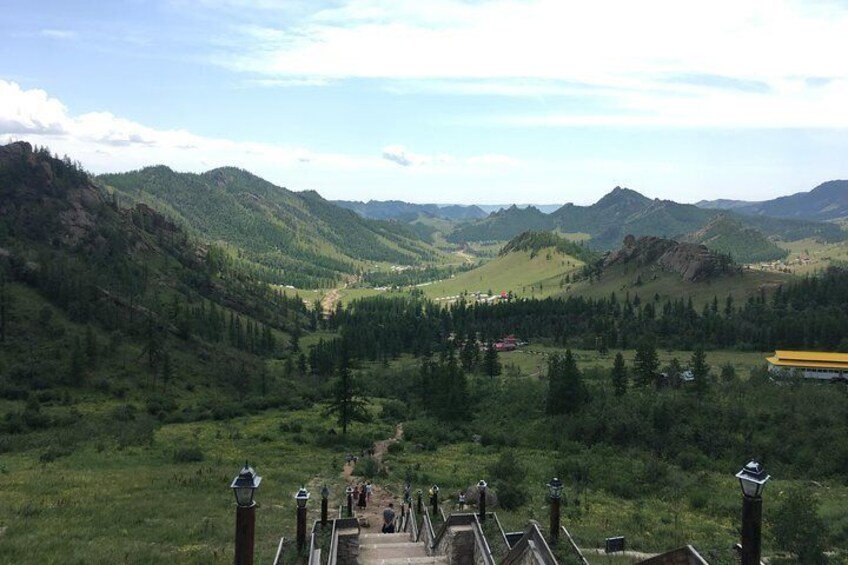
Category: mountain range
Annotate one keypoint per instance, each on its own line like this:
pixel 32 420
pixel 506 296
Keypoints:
pixel 408 212
pixel 626 212
pixel 828 201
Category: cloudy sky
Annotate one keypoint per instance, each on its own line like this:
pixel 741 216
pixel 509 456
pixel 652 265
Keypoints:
pixel 545 101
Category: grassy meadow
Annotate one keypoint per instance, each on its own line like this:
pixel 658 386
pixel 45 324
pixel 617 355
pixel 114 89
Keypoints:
pixel 526 275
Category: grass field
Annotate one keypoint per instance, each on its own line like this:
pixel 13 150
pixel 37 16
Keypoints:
pixel 102 504
pixel 518 272
pixel 625 279
pixel 808 256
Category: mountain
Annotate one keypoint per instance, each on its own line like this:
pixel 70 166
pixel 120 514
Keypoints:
pixel 728 235
pixel 626 212
pixel 407 212
pixel 503 225
pixel 545 208
pixel 722 204
pixel 291 238
pixel 828 201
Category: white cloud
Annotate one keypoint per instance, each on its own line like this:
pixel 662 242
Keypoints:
pixel 402 156
pixel 64 34
pixel 631 54
pixel 107 143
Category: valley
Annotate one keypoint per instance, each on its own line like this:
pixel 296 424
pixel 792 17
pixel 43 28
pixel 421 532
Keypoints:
pixel 151 341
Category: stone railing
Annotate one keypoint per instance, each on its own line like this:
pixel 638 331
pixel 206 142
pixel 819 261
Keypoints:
pixel 482 551
pixel 532 548
pixel 574 549
pixel 279 553
pixel 344 542
pixel 426 535
pixel 412 522
pixel 314 550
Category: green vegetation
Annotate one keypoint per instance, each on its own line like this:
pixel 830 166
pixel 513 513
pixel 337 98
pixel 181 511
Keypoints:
pixel 282 237
pixel 745 245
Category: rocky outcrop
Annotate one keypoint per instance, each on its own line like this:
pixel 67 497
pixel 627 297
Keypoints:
pixel 692 261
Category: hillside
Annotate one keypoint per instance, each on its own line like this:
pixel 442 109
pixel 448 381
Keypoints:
pixel 745 245
pixel 407 212
pixel 103 303
pixel 293 238
pixel 534 264
pixel 666 269
pixel 828 201
pixel 503 225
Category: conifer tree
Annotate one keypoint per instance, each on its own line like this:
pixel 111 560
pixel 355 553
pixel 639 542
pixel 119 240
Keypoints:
pixel 619 375
pixel 646 363
pixel 566 390
pixel 346 403
pixel 700 370
pixel 491 364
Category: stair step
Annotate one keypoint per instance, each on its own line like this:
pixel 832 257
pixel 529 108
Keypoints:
pixel 391 551
pixel 383 538
pixel 402 560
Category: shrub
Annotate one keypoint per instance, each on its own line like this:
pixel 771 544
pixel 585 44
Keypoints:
pixel 188 455
pixel 54 452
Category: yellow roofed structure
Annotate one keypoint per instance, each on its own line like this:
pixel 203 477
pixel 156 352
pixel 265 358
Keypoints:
pixel 813 364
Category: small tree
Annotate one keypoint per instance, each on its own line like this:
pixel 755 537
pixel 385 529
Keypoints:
pixel 346 404
pixel 566 391
pixel 646 363
pixel 507 478
pixel 619 375
pixel 491 364
pixel 700 370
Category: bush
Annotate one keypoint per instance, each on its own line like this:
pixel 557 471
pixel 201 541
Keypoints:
pixel 366 467
pixel 54 452
pixel 508 477
pixel 188 455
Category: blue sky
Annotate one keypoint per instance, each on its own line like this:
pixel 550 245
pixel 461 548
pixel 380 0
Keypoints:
pixel 465 101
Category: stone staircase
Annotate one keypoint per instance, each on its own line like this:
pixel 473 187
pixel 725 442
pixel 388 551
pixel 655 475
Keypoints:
pixel 393 549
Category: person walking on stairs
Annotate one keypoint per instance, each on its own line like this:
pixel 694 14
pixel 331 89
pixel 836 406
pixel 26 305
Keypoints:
pixel 389 519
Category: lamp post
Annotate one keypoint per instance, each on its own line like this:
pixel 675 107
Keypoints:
pixel 481 490
pixel 555 492
pixel 420 502
pixel 752 479
pixel 325 494
pixel 435 501
pixel 244 486
pixel 301 497
pixel 349 493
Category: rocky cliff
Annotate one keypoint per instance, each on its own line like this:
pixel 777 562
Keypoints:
pixel 692 261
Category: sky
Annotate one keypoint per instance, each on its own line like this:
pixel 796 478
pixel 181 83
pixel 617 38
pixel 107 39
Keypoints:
pixel 448 101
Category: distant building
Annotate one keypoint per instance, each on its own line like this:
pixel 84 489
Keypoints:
pixel 509 343
pixel 810 364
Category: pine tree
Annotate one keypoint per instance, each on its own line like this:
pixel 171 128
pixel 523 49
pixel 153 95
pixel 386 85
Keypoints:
pixel 346 404
pixel 700 370
pixel 491 364
pixel 646 363
pixel 619 375
pixel 167 371
pixel 566 391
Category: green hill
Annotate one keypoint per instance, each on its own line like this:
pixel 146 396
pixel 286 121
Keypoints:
pixel 503 225
pixel 110 307
pixel 526 272
pixel 745 245
pixel 290 238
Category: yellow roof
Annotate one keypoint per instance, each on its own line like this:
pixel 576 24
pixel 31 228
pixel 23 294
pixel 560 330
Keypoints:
pixel 811 356
pixel 811 359
pixel 808 364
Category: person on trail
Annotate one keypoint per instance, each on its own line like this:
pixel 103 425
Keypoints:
pixel 407 493
pixel 355 496
pixel 362 497
pixel 389 519
pixel 368 488
pixel 461 501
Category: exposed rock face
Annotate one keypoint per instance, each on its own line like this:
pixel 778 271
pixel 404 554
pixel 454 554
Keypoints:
pixel 692 261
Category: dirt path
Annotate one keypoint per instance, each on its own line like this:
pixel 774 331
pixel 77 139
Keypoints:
pixel 371 518
pixel 328 301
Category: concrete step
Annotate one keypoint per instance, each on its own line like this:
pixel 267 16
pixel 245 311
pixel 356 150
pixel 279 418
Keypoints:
pixel 366 539
pixel 402 561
